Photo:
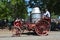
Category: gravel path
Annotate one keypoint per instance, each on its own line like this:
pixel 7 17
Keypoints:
pixel 6 35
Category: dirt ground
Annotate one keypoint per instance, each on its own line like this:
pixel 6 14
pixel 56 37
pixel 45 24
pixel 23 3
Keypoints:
pixel 6 35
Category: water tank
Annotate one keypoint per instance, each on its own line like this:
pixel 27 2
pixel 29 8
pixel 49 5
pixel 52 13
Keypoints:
pixel 35 15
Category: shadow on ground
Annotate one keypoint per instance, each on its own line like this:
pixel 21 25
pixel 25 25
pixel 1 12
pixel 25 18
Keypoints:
pixel 30 33
pixel 22 35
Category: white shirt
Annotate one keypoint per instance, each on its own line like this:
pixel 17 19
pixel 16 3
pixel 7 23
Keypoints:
pixel 47 14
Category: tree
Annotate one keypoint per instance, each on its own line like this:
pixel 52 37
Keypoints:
pixel 51 5
pixel 12 8
pixel 19 8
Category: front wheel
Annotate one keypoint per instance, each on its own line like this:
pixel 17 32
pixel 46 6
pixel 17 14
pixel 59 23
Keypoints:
pixel 16 31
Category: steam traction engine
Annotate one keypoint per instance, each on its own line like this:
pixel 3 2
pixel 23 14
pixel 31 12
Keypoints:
pixel 37 24
pixel 40 25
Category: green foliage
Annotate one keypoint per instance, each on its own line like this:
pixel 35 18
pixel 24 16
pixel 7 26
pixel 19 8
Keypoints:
pixel 53 16
pixel 13 2
pixel 12 9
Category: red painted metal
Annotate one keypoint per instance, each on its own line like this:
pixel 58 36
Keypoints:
pixel 41 27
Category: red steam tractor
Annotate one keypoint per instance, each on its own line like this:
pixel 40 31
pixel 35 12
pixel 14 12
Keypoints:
pixel 38 24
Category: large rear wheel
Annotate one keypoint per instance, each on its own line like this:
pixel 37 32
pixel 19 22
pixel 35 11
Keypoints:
pixel 42 26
